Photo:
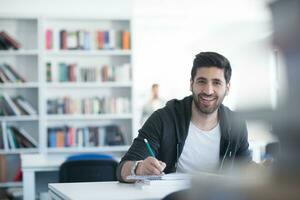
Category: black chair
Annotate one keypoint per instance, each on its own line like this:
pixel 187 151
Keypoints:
pixel 88 169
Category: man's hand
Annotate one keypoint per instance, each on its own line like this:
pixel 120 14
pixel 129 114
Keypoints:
pixel 150 166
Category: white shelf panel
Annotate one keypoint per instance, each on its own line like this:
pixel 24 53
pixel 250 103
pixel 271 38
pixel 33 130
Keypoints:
pixel 75 85
pixel 18 52
pixel 89 117
pixel 89 53
pixel 122 148
pixel 19 85
pixel 20 118
pixel 10 184
pixel 20 151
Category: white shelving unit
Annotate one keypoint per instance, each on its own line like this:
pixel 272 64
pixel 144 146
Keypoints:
pixel 79 89
pixel 31 62
pixel 26 62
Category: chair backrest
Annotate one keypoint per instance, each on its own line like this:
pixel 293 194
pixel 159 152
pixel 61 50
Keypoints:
pixel 272 150
pixel 88 170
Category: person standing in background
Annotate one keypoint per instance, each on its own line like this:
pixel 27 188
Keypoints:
pixel 154 103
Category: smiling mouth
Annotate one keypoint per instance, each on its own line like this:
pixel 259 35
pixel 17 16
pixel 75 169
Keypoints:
pixel 207 100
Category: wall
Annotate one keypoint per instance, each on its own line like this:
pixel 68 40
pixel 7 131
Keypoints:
pixel 169 33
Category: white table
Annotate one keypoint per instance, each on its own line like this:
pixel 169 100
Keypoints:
pixel 33 163
pixel 111 191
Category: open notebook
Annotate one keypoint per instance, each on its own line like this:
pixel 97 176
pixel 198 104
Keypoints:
pixel 171 176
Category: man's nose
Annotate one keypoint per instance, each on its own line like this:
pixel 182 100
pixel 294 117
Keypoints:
pixel 208 89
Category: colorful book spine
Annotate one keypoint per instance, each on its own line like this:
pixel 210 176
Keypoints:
pixel 126 40
pixel 9 41
pixel 49 72
pixel 49 39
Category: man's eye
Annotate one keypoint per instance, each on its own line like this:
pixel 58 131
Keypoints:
pixel 217 83
pixel 201 81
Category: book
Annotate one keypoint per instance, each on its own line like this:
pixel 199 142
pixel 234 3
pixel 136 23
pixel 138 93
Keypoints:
pixel 63 72
pixel 20 108
pixel 81 39
pixel 10 41
pixel 63 39
pixel 49 72
pixel 25 105
pixel 2 109
pixel 60 138
pixel 72 41
pixel 87 40
pixel 24 138
pixel 13 164
pixel 106 40
pixel 3 174
pixel 18 176
pixel 8 73
pixel 100 39
pixel 12 143
pixel 1 139
pixel 125 40
pixel 4 132
pixel 49 39
pixel 51 137
pixel 5 108
pixel 11 105
pixel 16 76
pixel 3 77
pixel 72 72
pixel 71 137
pixel 79 137
pixel 3 44
pixel 112 39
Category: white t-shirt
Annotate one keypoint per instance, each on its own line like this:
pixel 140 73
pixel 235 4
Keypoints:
pixel 201 150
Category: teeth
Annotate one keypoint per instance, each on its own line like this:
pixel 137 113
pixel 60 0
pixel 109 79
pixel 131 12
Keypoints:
pixel 207 99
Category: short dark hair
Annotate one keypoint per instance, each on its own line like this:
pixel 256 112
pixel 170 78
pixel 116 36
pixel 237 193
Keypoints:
pixel 211 59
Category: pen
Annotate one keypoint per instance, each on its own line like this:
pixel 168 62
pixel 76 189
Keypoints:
pixel 149 148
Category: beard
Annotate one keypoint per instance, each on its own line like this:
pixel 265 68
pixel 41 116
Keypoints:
pixel 207 104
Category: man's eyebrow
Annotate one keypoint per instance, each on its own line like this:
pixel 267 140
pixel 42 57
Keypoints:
pixel 218 80
pixel 201 78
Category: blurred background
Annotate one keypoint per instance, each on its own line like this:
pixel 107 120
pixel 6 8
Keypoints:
pixel 165 35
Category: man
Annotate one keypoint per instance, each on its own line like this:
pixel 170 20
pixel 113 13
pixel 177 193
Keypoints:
pixel 196 133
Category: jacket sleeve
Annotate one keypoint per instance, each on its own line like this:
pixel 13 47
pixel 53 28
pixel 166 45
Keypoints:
pixel 243 152
pixel 151 130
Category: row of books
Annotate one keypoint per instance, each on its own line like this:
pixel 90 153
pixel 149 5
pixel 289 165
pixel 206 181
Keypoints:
pixel 91 136
pixel 9 75
pixel 8 42
pixel 64 72
pixel 15 106
pixel 87 40
pixel 94 105
pixel 16 137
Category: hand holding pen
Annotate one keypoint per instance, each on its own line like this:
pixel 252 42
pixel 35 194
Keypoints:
pixel 150 166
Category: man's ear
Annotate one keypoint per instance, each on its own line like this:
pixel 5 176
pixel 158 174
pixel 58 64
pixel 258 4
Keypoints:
pixel 227 89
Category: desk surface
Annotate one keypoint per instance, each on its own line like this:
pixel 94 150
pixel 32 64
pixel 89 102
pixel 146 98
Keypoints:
pixel 111 190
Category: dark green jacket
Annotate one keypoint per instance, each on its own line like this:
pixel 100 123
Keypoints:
pixel 167 128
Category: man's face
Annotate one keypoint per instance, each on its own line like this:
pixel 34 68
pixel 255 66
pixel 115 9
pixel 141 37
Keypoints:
pixel 209 89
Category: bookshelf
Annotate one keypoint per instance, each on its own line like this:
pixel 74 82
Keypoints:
pixel 78 76
pixel 22 60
